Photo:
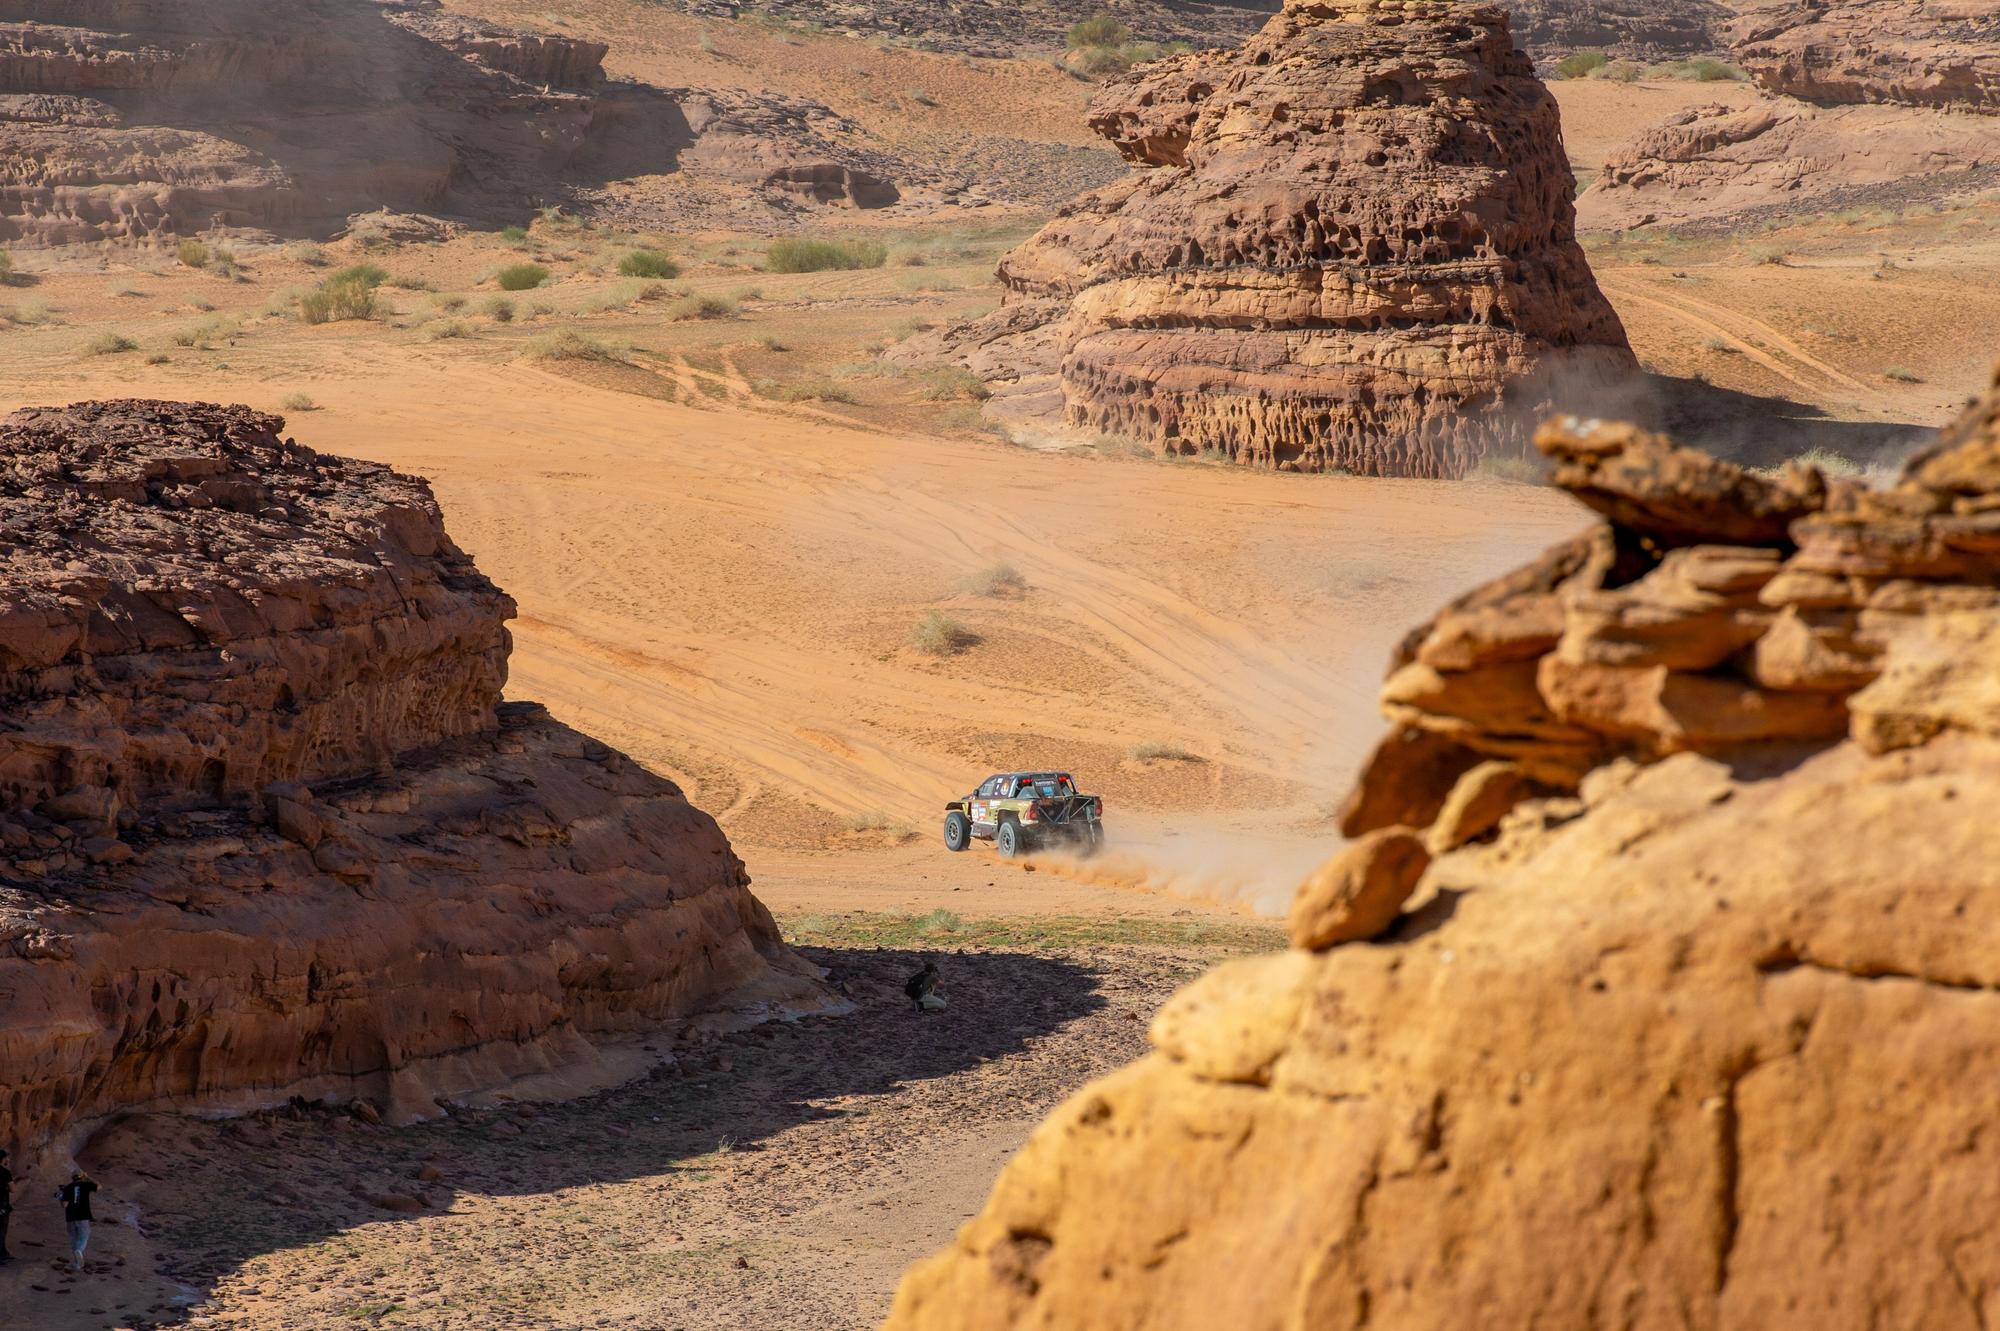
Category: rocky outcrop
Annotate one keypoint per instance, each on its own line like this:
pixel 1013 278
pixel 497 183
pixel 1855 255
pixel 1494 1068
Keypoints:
pixel 1349 245
pixel 1720 994
pixel 1871 102
pixel 126 119
pixel 1637 29
pixel 266 827
pixel 1787 157
pixel 1942 53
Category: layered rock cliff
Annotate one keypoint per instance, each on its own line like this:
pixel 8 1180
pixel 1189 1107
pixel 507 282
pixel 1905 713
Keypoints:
pixel 266 827
pixel 124 119
pixel 1658 988
pixel 1943 53
pixel 1864 95
pixel 1349 244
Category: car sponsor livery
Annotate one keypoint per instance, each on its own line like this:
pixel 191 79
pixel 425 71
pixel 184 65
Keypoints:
pixel 1023 811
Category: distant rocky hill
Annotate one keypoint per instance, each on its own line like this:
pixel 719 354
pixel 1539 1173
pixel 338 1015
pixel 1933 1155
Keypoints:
pixel 1943 53
pixel 130 118
pixel 1549 29
pixel 266 827
pixel 1870 100
pixel 1668 952
pixel 1348 244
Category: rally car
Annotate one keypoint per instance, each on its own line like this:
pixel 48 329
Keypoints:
pixel 1021 811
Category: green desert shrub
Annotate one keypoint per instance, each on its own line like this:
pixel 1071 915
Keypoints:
pixel 994 580
pixel 6 268
pixel 499 309
pixel 345 295
pixel 700 307
pixel 1582 65
pixel 191 254
pixel 565 345
pixel 1102 30
pixel 938 634
pixel 514 235
pixel 446 329
pixel 110 344
pixel 801 254
pixel 648 263
pixel 361 274
pixel 522 276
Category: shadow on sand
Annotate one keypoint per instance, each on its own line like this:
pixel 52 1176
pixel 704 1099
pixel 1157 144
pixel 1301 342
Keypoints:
pixel 300 1176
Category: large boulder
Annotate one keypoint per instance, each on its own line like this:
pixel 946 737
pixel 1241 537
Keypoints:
pixel 266 827
pixel 1349 244
pixel 1704 1041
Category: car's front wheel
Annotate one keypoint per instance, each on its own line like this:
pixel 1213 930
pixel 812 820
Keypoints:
pixel 957 830
pixel 1008 840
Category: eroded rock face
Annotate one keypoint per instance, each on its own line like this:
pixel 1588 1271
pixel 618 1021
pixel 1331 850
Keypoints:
pixel 1865 95
pixel 265 826
pixel 126 119
pixel 1631 1052
pixel 1943 53
pixel 1349 244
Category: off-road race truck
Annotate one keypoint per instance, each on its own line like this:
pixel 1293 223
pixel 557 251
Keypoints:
pixel 1020 811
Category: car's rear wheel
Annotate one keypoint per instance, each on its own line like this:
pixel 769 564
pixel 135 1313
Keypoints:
pixel 1091 839
pixel 1008 840
pixel 957 831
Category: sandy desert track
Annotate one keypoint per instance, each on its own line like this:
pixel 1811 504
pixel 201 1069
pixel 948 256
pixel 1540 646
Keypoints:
pixel 727 593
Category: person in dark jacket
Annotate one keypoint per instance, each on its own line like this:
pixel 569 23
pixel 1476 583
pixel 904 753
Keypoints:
pixel 75 1198
pixel 922 988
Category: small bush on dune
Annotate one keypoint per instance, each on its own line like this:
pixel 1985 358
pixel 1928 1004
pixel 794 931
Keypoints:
pixel 938 634
pixel 360 274
pixel 565 345
pixel 159 358
pixel 514 235
pixel 522 276
pixel 312 256
pixel 32 313
pixel 1902 376
pixel 111 344
pixel 648 263
pixel 191 254
pixel 806 390
pixel 499 309
pixel 700 307
pixel 798 254
pixel 298 402
pixel 6 268
pixel 995 580
pixel 346 295
pixel 447 329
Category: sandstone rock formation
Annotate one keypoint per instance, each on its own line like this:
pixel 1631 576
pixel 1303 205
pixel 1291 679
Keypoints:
pixel 1943 53
pixel 266 827
pixel 1349 245
pixel 1867 96
pixel 125 119
pixel 1637 29
pixel 1702 1039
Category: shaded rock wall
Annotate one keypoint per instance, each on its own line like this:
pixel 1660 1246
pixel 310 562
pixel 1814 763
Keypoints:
pixel 1349 244
pixel 127 119
pixel 266 828
pixel 1685 1019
